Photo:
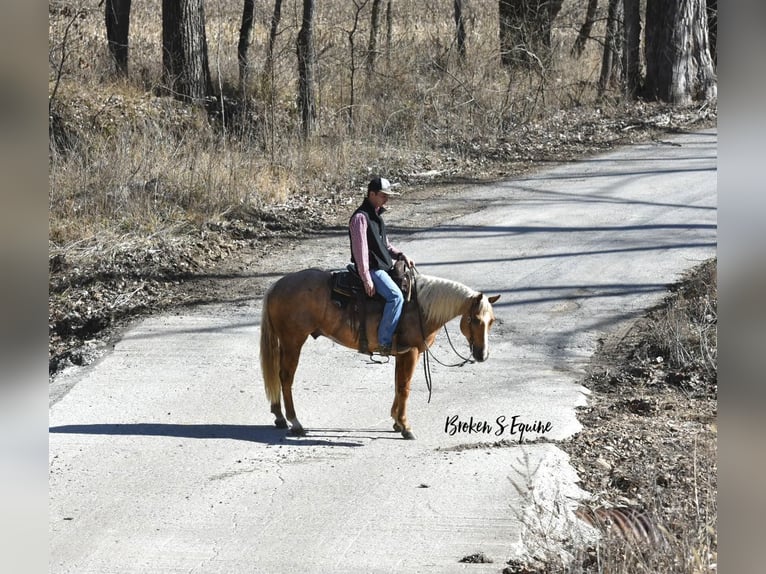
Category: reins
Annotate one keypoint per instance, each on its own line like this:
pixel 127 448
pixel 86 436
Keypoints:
pixel 464 360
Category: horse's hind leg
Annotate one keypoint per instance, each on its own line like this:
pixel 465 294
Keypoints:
pixel 279 419
pixel 288 363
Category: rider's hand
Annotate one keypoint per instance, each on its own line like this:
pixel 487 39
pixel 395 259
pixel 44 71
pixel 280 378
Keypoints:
pixel 369 288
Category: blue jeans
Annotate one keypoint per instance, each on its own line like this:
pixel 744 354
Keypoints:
pixel 392 310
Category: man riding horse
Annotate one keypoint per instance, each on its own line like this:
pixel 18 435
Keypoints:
pixel 300 305
pixel 373 255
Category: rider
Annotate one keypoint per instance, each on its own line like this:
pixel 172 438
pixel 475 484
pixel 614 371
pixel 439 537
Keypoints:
pixel 373 255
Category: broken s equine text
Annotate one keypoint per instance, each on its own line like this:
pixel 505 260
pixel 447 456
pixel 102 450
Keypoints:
pixel 515 427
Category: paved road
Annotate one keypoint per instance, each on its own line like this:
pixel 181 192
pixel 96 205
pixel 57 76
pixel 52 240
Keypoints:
pixel 163 457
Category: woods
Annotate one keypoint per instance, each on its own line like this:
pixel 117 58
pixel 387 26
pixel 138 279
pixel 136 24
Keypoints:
pixel 679 46
pixel 166 111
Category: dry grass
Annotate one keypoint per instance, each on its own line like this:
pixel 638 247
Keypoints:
pixel 685 331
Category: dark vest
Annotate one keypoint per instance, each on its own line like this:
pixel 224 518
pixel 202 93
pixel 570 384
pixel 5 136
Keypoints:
pixel 377 240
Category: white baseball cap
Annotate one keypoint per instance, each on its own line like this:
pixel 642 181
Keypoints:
pixel 382 184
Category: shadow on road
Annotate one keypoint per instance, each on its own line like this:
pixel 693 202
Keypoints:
pixel 266 434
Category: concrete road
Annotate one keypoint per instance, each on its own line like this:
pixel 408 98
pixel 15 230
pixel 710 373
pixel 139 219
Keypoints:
pixel 163 457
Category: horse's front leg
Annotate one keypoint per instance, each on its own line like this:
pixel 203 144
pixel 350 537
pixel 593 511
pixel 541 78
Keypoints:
pixel 405 367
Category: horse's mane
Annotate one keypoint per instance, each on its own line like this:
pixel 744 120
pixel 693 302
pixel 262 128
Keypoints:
pixel 441 299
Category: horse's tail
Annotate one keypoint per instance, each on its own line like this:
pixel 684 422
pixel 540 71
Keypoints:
pixel 269 354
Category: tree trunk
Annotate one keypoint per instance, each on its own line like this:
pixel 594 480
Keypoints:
pixel 525 31
pixel 585 29
pixel 511 28
pixel 245 37
pixel 351 35
pixel 184 50
pixel 612 46
pixel 679 68
pixel 632 51
pixel 306 69
pixel 117 16
pixel 372 47
pixel 276 17
pixel 389 30
pixel 459 28
pixel 548 11
pixel 712 26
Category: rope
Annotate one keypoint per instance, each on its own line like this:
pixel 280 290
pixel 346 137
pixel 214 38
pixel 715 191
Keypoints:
pixel 427 373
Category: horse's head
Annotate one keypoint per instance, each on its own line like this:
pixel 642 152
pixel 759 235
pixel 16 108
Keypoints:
pixel 475 325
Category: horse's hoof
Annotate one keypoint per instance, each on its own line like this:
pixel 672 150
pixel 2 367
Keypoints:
pixel 280 423
pixel 407 434
pixel 300 431
pixel 398 427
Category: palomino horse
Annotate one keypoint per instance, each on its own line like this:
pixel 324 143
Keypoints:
pixel 300 304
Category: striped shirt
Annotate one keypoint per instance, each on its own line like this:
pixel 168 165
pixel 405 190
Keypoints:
pixel 358 228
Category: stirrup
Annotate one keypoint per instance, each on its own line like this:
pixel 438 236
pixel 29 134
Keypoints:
pixel 382 350
pixel 393 349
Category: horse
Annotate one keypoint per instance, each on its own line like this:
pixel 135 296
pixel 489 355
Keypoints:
pixel 300 304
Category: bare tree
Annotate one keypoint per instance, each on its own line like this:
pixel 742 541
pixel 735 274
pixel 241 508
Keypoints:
pixel 632 51
pixel 525 30
pixel 585 29
pixel 276 17
pixel 372 46
pixel 611 59
pixel 117 16
pixel 459 27
pixel 186 71
pixel 351 35
pixel 511 25
pixel 389 29
pixel 712 26
pixel 59 53
pixel 306 58
pixel 679 68
pixel 245 37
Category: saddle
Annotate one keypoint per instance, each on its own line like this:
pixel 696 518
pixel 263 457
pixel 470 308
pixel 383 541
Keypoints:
pixel 346 285
pixel 347 288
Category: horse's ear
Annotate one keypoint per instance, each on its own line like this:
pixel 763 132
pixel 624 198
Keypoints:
pixel 494 298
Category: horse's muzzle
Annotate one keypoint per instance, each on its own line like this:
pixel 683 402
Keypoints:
pixel 480 354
